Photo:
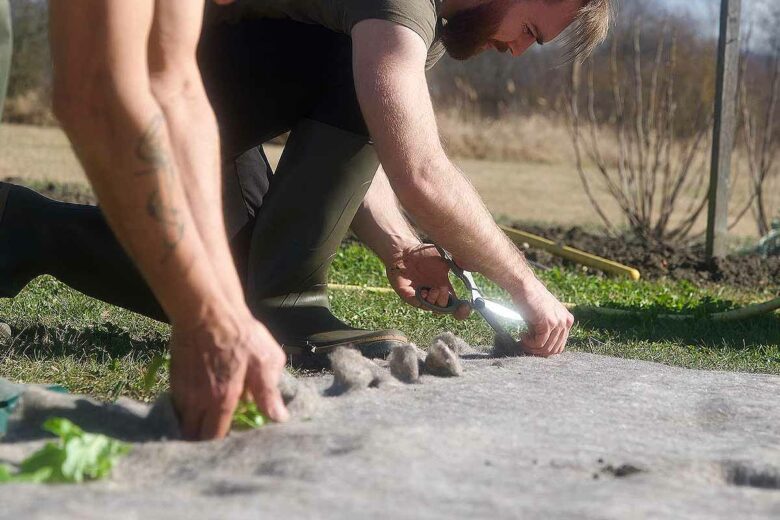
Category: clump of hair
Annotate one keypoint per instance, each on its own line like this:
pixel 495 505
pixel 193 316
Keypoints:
pixel 352 372
pixel 300 397
pixel 406 362
pixel 457 344
pixel 505 346
pixel 590 28
pixel 442 361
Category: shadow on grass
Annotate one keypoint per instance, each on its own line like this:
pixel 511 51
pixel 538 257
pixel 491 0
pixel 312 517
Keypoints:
pixel 662 324
pixel 107 341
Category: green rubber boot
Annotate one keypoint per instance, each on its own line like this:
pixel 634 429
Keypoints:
pixel 322 178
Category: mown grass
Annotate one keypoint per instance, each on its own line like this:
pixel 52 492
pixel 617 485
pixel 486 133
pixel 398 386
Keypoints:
pixel 61 336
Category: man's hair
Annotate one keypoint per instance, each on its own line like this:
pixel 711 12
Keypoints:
pixel 590 28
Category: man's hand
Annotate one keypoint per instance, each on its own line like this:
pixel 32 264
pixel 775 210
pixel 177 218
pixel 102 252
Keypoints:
pixel 422 266
pixel 549 322
pixel 212 367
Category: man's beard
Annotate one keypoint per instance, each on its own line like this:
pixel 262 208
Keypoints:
pixel 467 32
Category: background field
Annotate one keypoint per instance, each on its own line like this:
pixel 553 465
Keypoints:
pixel 543 187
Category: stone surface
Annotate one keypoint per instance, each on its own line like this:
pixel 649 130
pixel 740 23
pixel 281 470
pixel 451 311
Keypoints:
pixel 574 436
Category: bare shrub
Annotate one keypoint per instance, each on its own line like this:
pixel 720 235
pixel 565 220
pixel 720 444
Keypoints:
pixel 759 129
pixel 658 180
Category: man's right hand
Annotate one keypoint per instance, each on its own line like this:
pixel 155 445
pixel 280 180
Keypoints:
pixel 214 365
pixel 549 322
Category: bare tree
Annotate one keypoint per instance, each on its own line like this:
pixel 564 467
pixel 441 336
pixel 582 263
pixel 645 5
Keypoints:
pixel 759 131
pixel 655 171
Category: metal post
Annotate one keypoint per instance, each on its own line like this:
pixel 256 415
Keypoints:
pixel 725 126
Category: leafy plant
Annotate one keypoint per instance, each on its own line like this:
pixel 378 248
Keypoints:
pixel 75 457
pixel 248 417
pixel 159 361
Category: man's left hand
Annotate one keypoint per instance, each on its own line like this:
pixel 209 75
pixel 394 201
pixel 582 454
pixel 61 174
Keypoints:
pixel 422 266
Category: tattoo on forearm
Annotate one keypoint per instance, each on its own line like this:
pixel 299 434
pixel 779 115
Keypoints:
pixel 159 204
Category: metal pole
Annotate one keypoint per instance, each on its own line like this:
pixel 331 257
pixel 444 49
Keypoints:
pixel 725 126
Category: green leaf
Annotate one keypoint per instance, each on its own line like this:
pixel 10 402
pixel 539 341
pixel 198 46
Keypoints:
pixel 5 473
pixel 248 417
pixel 158 361
pixel 76 457
pixel 36 477
pixel 50 457
pixel 62 428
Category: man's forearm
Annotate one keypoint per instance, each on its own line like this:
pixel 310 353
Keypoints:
pixel 391 87
pixel 379 222
pixel 119 131
pixel 442 200
pixel 177 87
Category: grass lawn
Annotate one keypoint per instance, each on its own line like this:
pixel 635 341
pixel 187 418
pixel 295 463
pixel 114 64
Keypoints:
pixel 61 336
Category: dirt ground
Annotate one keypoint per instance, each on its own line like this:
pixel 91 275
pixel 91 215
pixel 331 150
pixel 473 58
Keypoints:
pixel 547 192
pixel 658 260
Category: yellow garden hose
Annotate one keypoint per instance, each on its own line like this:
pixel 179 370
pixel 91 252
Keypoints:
pixel 575 255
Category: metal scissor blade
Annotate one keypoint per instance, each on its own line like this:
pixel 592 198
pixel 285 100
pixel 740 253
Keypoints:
pixel 467 277
pixel 503 312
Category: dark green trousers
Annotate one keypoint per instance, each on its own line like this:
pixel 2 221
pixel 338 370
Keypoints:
pixel 263 78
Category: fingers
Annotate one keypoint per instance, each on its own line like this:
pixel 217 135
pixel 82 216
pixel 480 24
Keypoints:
pixel 438 296
pixel 263 381
pixel 554 337
pixel 535 339
pixel 569 324
pixel 190 420
pixel 562 344
pixel 462 312
pixel 550 348
pixel 219 417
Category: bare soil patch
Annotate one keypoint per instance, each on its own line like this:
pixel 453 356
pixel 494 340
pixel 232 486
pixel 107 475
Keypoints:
pixel 658 260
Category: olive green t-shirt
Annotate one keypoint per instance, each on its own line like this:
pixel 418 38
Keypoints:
pixel 421 16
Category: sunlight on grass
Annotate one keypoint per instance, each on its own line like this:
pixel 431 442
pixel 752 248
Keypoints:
pixel 61 336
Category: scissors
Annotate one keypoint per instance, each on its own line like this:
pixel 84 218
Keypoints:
pixel 492 312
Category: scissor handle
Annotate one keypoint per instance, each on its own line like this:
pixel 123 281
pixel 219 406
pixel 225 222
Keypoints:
pixel 452 303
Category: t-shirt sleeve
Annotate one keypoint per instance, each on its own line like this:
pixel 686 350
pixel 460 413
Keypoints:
pixel 417 15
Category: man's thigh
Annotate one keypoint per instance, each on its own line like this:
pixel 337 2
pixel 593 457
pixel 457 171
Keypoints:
pixel 263 76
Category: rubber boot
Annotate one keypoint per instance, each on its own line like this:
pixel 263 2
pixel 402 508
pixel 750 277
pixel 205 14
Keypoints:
pixel 71 242
pixel 322 178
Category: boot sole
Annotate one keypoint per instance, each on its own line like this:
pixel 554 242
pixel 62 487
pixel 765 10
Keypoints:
pixel 311 348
